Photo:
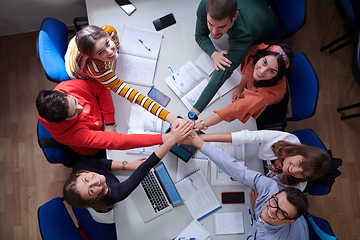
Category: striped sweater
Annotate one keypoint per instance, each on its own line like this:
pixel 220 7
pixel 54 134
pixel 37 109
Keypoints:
pixel 104 72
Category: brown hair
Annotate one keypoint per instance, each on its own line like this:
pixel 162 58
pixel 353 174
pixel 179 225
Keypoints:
pixel 73 198
pixel 316 161
pixel 85 42
pixel 221 9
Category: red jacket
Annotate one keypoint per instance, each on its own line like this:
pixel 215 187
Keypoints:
pixel 85 133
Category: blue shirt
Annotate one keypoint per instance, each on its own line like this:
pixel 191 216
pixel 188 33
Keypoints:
pixel 265 187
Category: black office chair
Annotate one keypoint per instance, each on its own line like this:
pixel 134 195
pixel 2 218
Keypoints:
pixel 350 12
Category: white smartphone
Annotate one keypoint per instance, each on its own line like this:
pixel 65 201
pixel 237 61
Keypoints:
pixel 158 96
pixel 126 6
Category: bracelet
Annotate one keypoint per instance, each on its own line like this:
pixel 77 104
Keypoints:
pixel 203 124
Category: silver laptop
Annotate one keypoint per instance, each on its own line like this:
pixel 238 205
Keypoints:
pixel 156 194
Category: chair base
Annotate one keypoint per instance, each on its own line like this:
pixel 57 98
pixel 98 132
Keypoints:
pixel 347 108
pixel 347 35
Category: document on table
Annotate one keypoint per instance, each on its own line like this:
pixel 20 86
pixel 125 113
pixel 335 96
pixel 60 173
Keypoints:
pixel 194 231
pixel 184 169
pixel 143 122
pixel 139 50
pixel 198 196
pixel 218 177
pixel 228 223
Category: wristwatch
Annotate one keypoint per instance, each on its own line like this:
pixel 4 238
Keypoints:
pixel 124 164
pixel 192 115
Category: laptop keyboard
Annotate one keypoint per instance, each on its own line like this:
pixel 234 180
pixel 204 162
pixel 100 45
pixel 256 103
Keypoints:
pixel 154 193
pixel 190 148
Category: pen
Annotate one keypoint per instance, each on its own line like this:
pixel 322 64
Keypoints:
pixel 251 219
pixel 184 238
pixel 172 73
pixel 144 45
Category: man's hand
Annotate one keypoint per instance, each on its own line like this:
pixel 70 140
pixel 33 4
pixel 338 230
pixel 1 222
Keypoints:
pixel 110 128
pixel 220 60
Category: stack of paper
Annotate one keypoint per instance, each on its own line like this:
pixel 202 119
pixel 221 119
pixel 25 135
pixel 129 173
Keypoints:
pixel 194 231
pixel 143 122
pixel 228 223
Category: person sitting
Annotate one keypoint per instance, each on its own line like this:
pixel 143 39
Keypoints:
pixel 80 114
pixel 246 22
pixel 263 83
pixel 289 162
pixel 278 211
pixel 92 185
pixel 92 54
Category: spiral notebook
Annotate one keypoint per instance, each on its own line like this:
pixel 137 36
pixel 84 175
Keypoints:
pixel 197 194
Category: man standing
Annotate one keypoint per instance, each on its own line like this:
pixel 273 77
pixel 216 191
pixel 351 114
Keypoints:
pixel 245 21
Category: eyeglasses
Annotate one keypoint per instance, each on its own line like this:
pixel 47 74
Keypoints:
pixel 280 214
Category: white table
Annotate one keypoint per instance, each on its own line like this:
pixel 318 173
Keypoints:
pixel 178 46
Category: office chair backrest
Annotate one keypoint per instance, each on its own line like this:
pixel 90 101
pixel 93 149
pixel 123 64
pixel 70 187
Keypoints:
pixel 304 88
pixel 322 185
pixel 292 15
pixel 51 47
pixel 54 151
pixel 355 62
pixel 55 222
pixel 309 137
pixel 94 230
pixel 319 228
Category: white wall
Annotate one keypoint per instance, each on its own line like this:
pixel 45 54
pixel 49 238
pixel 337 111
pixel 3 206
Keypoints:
pixel 20 16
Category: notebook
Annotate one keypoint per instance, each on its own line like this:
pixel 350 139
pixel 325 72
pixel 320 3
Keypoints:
pixel 156 194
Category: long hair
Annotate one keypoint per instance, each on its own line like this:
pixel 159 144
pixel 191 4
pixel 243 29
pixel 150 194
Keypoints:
pixel 221 9
pixel 85 42
pixel 73 198
pixel 282 69
pixel 316 161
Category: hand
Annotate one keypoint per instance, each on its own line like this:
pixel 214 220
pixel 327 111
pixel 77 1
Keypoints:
pixel 179 132
pixel 110 128
pixel 253 195
pixel 132 166
pixel 179 122
pixel 220 60
pixel 196 141
pixel 237 92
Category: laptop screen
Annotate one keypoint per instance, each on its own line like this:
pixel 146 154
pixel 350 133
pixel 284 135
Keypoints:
pixel 168 185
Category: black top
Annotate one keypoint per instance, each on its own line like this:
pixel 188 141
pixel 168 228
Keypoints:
pixel 118 190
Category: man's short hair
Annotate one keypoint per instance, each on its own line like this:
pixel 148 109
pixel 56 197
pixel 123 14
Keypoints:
pixel 52 105
pixel 221 9
pixel 297 199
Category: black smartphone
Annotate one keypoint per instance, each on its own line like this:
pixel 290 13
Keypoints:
pixel 232 197
pixel 126 6
pixel 164 21
pixel 159 97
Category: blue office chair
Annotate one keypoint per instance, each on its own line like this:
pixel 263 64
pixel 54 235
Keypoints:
pixel 304 88
pixel 55 222
pixel 94 230
pixel 54 151
pixel 51 46
pixel 350 12
pixel 319 228
pixel 321 186
pixel 289 16
pixel 304 91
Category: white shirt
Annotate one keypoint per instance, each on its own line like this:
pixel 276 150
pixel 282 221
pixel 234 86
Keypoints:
pixel 266 138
